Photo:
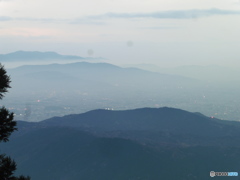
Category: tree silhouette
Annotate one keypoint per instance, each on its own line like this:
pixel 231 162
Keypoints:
pixel 7 126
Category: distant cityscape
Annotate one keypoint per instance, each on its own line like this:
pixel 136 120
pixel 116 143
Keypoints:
pixel 45 106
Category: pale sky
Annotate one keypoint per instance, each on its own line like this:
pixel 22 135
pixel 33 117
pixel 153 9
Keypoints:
pixel 166 33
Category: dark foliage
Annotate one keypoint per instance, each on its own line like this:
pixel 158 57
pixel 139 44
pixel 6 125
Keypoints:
pixel 7 168
pixel 7 126
pixel 4 81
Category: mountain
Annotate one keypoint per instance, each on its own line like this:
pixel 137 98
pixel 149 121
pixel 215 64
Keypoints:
pixel 103 85
pixel 128 78
pixel 162 124
pixel 144 119
pixel 66 153
pixel 94 78
pixel 211 73
pixel 102 144
pixel 35 55
pixel 153 126
pixel 63 153
pixel 97 85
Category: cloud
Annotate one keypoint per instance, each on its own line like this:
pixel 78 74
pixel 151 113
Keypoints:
pixel 161 27
pixel 95 20
pixel 46 20
pixel 6 0
pixel 87 21
pixel 174 14
pixel 236 1
pixel 5 18
pixel 51 20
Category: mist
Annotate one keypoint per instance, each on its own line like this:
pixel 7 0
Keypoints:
pixel 60 87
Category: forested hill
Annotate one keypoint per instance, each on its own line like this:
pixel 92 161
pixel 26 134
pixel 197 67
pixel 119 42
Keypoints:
pixel 155 125
pixel 164 119
pixel 146 143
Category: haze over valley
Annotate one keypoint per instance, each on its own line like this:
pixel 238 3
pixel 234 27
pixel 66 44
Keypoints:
pixel 42 91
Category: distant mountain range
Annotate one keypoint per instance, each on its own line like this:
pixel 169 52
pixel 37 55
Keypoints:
pixel 106 85
pixel 147 143
pixel 93 77
pixel 211 73
pixel 36 55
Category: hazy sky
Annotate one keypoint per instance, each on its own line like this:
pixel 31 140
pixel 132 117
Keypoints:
pixel 167 33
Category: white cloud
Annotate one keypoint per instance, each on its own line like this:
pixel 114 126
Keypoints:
pixel 5 18
pixel 173 14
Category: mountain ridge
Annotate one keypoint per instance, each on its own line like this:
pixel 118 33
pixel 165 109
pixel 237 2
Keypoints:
pixel 155 119
pixel 150 125
pixel 87 153
pixel 38 55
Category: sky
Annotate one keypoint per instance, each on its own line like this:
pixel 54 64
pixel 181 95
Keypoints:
pixel 165 33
